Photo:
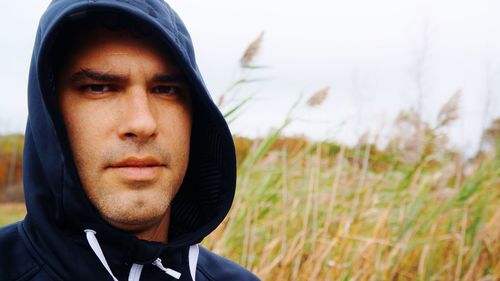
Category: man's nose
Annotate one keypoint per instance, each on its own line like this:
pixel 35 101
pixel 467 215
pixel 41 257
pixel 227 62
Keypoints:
pixel 139 117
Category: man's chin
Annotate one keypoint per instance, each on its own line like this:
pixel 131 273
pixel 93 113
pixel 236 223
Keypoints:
pixel 133 223
pixel 134 216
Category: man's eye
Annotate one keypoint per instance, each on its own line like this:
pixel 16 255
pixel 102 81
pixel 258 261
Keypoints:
pixel 97 88
pixel 169 90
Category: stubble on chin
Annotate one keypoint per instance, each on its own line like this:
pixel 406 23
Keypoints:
pixel 133 212
pixel 126 204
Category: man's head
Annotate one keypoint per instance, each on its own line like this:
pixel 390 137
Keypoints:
pixel 126 107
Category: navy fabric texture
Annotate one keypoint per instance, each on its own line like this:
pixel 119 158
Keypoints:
pixel 50 243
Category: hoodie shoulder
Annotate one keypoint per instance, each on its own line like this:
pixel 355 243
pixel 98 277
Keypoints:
pixel 15 261
pixel 212 267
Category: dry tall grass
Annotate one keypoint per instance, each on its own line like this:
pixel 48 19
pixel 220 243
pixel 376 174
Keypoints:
pixel 323 214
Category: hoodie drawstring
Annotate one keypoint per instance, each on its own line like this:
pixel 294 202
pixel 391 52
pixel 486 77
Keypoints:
pixel 94 244
pixel 168 271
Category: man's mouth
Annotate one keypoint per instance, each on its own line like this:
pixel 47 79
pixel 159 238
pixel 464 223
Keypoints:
pixel 138 168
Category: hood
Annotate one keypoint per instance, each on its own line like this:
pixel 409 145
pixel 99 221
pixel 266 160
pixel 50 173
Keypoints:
pixel 59 210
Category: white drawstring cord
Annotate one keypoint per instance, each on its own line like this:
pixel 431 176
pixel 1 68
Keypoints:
pixel 94 244
pixel 135 272
pixel 168 271
pixel 194 252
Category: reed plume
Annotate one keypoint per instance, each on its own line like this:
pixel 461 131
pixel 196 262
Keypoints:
pixel 449 112
pixel 252 51
pixel 318 97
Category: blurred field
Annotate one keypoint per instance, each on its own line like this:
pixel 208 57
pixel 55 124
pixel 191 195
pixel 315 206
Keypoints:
pixel 11 149
pixel 318 211
pixel 11 212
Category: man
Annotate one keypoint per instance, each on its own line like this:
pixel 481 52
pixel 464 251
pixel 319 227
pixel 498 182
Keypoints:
pixel 128 164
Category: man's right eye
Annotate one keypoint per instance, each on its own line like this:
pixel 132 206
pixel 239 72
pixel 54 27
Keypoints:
pixel 97 88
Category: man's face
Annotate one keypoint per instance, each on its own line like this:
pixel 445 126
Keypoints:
pixel 127 111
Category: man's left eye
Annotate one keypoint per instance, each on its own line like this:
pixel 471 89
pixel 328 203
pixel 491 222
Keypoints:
pixel 166 90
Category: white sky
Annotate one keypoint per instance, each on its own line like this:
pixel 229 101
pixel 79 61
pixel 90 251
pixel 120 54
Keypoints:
pixel 364 50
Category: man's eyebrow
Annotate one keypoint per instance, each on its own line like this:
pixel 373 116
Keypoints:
pixel 166 78
pixel 95 75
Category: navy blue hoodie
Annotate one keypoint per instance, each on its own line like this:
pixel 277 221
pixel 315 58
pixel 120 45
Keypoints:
pixel 63 237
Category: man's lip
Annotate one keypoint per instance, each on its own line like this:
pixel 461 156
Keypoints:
pixel 137 162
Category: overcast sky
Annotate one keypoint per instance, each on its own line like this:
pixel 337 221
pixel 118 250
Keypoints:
pixel 364 50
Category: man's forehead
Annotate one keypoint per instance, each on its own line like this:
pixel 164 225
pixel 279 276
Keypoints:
pixel 103 50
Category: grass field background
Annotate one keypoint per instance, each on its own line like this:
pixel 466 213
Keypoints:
pixel 323 212
pixel 11 212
